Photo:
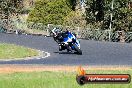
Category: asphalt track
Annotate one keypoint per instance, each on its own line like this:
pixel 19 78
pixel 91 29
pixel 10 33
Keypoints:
pixel 94 53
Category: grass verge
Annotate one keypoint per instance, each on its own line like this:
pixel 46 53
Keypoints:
pixel 47 79
pixel 11 51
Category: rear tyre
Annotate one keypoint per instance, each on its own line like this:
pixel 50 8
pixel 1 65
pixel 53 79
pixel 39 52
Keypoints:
pixel 79 51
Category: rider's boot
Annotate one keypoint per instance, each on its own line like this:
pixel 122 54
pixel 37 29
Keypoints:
pixel 60 47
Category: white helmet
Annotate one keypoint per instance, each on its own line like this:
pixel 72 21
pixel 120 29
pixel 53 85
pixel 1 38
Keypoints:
pixel 55 31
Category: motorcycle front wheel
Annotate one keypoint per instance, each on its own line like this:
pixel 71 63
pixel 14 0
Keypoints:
pixel 79 51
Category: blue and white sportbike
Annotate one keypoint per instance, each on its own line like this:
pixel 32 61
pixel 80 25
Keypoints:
pixel 66 40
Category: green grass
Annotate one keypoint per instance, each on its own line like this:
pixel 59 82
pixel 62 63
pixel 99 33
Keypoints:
pixel 53 80
pixel 11 51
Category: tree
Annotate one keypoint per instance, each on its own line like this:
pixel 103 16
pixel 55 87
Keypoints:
pixel 50 11
pixel 75 19
pixel 122 14
pixel 99 10
pixel 72 4
pixel 8 7
pixel 95 8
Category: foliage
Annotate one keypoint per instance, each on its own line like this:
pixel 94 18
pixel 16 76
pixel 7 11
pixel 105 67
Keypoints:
pixel 50 11
pixel 91 14
pixel 75 18
pixel 63 12
pixel 8 7
pixel 72 3
pixel 122 18
pixel 122 15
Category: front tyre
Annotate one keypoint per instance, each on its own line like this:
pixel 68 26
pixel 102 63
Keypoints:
pixel 79 51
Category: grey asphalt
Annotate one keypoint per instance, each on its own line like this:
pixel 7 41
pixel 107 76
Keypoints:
pixel 94 52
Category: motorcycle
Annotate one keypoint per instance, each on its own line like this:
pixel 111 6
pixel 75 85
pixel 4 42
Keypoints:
pixel 67 41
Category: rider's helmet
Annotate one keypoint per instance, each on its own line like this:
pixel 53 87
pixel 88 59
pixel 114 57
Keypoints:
pixel 56 31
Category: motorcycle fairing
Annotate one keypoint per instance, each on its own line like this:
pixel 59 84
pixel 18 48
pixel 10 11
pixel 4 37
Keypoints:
pixel 69 39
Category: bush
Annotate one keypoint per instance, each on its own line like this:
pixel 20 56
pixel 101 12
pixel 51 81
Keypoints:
pixel 75 18
pixel 50 11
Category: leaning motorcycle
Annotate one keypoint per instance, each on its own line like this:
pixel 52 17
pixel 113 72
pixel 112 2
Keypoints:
pixel 69 41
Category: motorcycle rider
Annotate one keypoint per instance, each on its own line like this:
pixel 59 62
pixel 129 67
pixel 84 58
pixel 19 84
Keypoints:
pixel 59 36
